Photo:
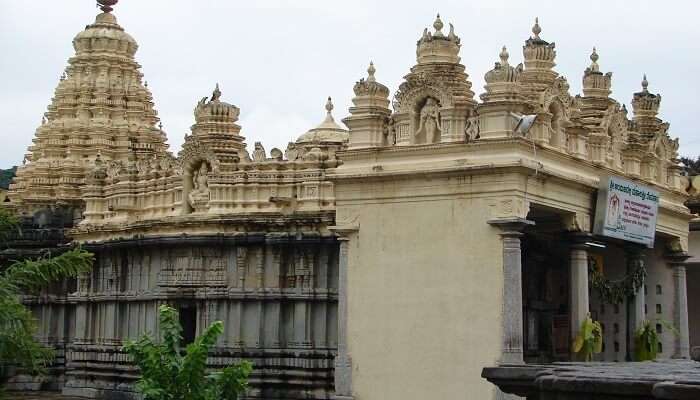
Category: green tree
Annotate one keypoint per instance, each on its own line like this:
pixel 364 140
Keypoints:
pixel 692 164
pixel 6 176
pixel 168 373
pixel 17 324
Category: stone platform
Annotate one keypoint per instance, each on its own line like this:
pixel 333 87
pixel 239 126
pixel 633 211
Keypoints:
pixel 670 380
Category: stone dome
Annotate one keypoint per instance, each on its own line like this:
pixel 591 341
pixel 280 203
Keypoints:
pixel 105 35
pixel 328 132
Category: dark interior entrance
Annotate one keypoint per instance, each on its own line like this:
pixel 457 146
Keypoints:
pixel 188 321
pixel 545 290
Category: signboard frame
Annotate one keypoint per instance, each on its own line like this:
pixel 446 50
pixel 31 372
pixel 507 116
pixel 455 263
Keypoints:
pixel 626 210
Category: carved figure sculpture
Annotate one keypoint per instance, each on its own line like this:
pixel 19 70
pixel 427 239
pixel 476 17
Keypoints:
pixel 199 195
pixel 429 122
pixel 259 152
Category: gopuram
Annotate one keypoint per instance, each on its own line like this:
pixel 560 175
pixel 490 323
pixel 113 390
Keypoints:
pixel 393 258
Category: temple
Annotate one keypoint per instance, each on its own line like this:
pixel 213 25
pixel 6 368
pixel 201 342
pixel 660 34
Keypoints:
pixel 393 259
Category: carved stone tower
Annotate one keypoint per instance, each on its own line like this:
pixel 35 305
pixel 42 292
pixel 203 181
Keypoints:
pixel 434 102
pixel 646 107
pixel 539 61
pixel 503 97
pixel 100 110
pixel 368 120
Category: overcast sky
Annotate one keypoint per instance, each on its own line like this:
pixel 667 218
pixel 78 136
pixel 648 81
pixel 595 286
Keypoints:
pixel 279 60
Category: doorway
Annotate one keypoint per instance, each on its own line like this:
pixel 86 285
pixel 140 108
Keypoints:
pixel 546 265
pixel 188 321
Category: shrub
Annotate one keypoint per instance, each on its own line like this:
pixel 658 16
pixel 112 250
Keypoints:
pixel 168 373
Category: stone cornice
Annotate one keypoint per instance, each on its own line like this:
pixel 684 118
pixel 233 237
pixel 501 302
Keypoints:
pixel 235 224
pixel 503 148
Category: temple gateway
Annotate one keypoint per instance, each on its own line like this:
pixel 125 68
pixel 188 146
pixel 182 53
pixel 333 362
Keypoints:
pixel 392 256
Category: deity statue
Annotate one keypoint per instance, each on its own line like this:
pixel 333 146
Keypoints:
pixel 259 152
pixel 199 195
pixel 429 122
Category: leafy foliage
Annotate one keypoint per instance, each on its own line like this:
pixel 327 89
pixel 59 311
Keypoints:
pixel 168 374
pixel 589 339
pixel 8 223
pixel 17 324
pixel 616 292
pixel 646 340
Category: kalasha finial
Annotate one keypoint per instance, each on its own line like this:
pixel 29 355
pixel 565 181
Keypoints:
pixel 438 25
pixel 645 83
pixel 106 5
pixel 536 29
pixel 370 73
pixel 504 56
pixel 329 105
pixel 594 61
pixel 216 93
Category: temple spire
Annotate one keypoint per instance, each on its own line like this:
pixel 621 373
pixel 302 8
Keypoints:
pixel 595 83
pixel 216 94
pixel 645 84
pixel 329 109
pixel 438 25
pixel 370 72
pixel 594 61
pixel 504 56
pixel 536 29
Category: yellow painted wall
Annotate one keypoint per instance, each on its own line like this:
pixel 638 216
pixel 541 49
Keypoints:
pixel 424 301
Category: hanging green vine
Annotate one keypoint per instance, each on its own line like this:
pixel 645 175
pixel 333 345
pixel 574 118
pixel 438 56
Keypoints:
pixel 615 292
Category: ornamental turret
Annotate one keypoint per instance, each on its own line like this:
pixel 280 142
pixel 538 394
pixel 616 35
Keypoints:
pixel 502 100
pixel 434 102
pixel 368 120
pixel 645 106
pixel 437 47
pixel 100 107
pixel 319 143
pixel 539 58
pixel 215 130
pixel 502 81
pixel 595 83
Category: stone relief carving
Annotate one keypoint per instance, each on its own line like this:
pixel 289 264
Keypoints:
pixel 429 125
pixel 292 153
pixel 198 197
pixel 471 129
pixel 259 152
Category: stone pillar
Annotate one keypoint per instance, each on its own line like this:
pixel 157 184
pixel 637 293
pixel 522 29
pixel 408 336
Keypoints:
pixel 634 257
pixel 343 361
pixel 512 307
pixel 578 282
pixel 681 348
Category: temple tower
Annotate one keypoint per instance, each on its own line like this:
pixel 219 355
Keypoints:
pixel 369 116
pixel 539 61
pixel 502 99
pixel 434 102
pixel 101 109
pixel 646 108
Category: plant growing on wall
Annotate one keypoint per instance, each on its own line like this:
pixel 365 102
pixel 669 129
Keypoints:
pixel 589 340
pixel 18 347
pixel 168 373
pixel 646 340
